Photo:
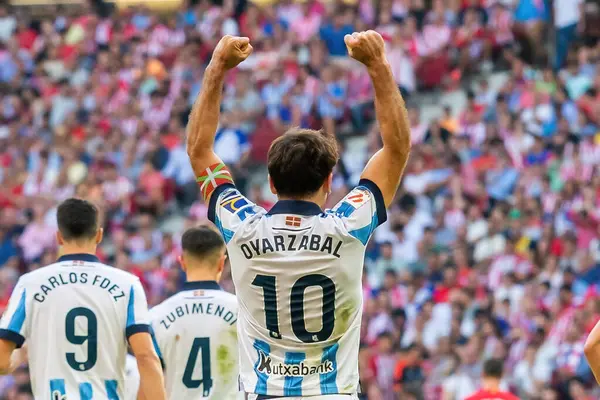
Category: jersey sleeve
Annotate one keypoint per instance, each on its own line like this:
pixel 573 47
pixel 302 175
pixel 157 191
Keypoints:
pixel 362 210
pixel 14 322
pixel 137 311
pixel 228 208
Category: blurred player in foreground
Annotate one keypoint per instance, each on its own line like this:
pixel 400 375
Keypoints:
pixel 195 329
pixel 297 269
pixel 491 379
pixel 592 351
pixel 77 316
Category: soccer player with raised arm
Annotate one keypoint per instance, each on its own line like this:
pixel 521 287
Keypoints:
pixel 77 316
pixel 196 330
pixel 297 268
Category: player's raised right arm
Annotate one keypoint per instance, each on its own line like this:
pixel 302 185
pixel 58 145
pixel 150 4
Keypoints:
pixel 385 167
pixel 204 118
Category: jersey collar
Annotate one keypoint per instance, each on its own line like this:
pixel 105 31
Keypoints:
pixel 206 285
pixel 298 207
pixel 86 257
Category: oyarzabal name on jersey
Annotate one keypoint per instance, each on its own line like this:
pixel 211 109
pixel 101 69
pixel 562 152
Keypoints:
pixel 266 365
pixel 282 243
pixel 71 278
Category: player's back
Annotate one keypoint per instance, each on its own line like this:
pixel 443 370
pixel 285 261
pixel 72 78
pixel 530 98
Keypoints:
pixel 297 272
pixel 75 316
pixel 195 331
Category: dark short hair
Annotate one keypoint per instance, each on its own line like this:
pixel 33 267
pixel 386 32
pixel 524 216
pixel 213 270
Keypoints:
pixel 493 368
pixel 201 241
pixel 77 219
pixel 300 161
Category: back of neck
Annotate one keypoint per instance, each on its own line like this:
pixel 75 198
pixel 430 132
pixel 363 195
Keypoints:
pixel 69 248
pixel 491 384
pixel 201 274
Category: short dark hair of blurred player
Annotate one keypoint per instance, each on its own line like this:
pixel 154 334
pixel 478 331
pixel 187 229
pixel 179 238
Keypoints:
pixel 493 369
pixel 79 229
pixel 203 257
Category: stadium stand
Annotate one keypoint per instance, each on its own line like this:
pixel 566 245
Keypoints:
pixel 493 246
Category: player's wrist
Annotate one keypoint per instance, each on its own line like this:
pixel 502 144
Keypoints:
pixel 216 66
pixel 377 67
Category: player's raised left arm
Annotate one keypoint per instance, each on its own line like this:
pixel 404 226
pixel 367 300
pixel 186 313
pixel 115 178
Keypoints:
pixel 13 328
pixel 592 351
pixel 204 118
pixel 387 165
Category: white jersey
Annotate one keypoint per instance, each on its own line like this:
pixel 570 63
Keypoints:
pixel 196 337
pixel 132 378
pixel 76 316
pixel 297 272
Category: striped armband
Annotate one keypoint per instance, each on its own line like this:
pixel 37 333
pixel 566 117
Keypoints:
pixel 213 177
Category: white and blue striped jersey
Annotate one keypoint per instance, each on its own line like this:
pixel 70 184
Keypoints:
pixel 76 316
pixel 196 337
pixel 297 272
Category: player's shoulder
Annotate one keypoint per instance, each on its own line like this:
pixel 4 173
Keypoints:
pixel 39 274
pixel 365 193
pixel 226 298
pixel 167 304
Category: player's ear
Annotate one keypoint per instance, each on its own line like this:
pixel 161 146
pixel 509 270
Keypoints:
pixel 59 238
pixel 271 186
pixel 182 263
pixel 99 235
pixel 328 184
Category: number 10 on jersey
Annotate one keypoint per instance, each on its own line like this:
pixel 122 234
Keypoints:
pixel 268 283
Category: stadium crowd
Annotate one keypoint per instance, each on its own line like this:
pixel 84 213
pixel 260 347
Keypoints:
pixel 493 246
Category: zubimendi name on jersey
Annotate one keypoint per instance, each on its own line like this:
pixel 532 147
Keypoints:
pixel 266 365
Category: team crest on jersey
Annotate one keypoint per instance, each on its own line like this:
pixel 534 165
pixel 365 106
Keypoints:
pixel 233 202
pixel 266 366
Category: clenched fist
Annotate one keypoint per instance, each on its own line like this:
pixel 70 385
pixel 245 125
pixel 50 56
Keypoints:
pixel 231 50
pixel 367 47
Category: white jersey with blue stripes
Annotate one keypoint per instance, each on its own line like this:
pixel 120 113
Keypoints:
pixel 75 316
pixel 196 337
pixel 297 272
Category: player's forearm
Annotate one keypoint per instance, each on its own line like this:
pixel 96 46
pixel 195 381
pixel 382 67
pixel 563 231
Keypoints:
pixel 204 118
pixel 592 351
pixel 151 378
pixel 390 110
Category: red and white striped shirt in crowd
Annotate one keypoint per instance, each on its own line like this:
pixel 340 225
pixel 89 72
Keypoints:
pixel 158 114
pixel 306 27
pixel 590 157
pixel 500 25
pixel 570 355
pixel 129 126
pixel 398 296
pixel 103 32
pixel 117 101
pixel 402 67
pixel 504 264
pixel 433 39
pixel 558 332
